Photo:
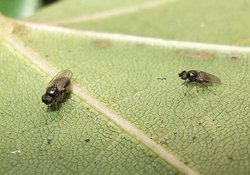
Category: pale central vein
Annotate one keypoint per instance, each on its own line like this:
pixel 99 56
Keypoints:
pixel 109 13
pixel 118 120
pixel 140 39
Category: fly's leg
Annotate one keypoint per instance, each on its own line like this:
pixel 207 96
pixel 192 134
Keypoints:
pixel 203 87
pixel 207 88
pixel 196 85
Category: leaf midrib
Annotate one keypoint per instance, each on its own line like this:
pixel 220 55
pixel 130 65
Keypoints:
pixel 141 40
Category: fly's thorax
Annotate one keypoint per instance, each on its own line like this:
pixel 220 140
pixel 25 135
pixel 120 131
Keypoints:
pixel 52 91
pixel 192 75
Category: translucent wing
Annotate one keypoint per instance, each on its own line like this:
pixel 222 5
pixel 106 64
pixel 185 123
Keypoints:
pixel 61 79
pixel 208 78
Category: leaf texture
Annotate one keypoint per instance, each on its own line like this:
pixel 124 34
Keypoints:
pixel 129 112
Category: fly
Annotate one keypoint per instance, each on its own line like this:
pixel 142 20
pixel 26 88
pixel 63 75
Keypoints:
pixel 201 77
pixel 59 88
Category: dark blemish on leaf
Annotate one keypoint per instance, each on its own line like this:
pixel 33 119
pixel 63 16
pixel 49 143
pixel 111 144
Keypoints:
pixel 186 162
pixel 49 141
pixel 234 56
pixel 101 44
pixel 199 124
pixel 161 78
pixel 175 133
pixel 162 142
pixel 95 162
pixel 213 120
pixel 230 158
pixel 87 140
pixel 194 137
pixel 60 157
pixel 195 54
pixel 87 108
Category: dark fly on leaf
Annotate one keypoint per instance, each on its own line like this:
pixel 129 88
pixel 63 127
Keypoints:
pixel 200 77
pixel 58 90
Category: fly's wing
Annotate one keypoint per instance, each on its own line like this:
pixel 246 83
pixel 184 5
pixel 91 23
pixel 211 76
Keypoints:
pixel 208 78
pixel 61 79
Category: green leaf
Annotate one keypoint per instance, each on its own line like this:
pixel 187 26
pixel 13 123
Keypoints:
pixel 203 21
pixel 76 139
pixel 19 8
pixel 129 112
pixel 79 8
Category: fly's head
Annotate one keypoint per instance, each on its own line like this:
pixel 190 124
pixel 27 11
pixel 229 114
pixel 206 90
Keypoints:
pixel 50 96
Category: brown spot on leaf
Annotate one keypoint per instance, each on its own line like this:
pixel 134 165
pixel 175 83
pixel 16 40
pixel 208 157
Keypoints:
pixel 19 29
pixel 140 45
pixel 195 54
pixel 234 57
pixel 101 43
pixel 49 141
pixel 230 158
pixel 186 162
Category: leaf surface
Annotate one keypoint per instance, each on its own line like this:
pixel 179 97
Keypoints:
pixel 130 113
pixel 201 21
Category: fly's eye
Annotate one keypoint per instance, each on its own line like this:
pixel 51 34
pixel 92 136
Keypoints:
pixel 46 99
pixel 183 75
